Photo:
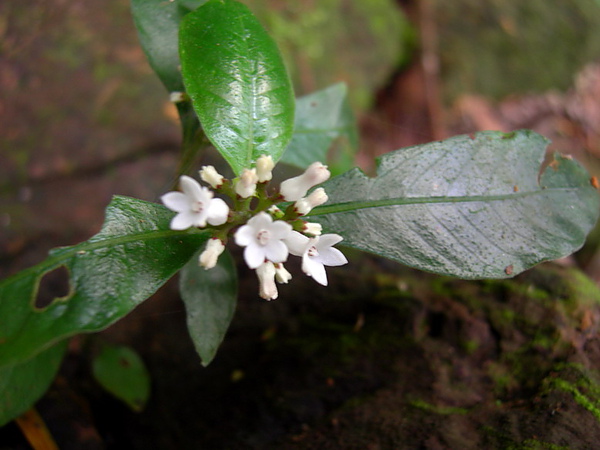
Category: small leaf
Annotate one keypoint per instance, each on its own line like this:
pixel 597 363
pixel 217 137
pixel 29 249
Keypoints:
pixel 127 261
pixel 321 118
pixel 470 206
pixel 157 22
pixel 235 76
pixel 121 371
pixel 22 384
pixel 210 298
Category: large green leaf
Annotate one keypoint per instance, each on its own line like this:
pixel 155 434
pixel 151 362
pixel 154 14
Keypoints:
pixel 235 76
pixel 22 384
pixel 470 206
pixel 110 274
pixel 321 118
pixel 210 298
pixel 121 371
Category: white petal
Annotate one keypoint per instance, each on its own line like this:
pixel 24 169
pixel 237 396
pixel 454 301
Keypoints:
pixel 332 257
pixel 192 189
pixel 328 240
pixel 244 235
pixel 182 221
pixel 266 277
pixel 296 243
pixel 217 212
pixel 314 269
pixel 280 229
pixel 276 251
pixel 176 201
pixel 260 221
pixel 254 255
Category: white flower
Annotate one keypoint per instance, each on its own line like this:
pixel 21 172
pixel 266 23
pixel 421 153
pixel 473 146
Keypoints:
pixel 246 185
pixel 313 228
pixel 281 274
pixel 297 187
pixel 209 175
pixel 209 257
pixel 266 277
pixel 177 96
pixel 264 168
pixel 263 240
pixel 306 204
pixel 316 252
pixel 195 206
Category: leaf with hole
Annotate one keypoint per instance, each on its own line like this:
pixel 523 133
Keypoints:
pixel 210 298
pixel 470 206
pixel 127 261
pixel 238 83
pixel 122 372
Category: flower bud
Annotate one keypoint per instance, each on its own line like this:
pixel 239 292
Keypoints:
pixel 209 175
pixel 209 257
pixel 266 277
pixel 313 228
pixel 297 187
pixel 306 204
pixel 246 185
pixel 264 168
pixel 281 274
pixel 177 96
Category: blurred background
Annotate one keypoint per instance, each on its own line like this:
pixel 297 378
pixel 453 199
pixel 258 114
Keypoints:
pixel 83 117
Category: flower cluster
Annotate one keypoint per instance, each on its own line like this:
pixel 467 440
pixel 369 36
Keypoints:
pixel 268 234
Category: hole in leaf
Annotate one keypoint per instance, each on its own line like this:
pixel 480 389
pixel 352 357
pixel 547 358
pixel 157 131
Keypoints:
pixel 54 285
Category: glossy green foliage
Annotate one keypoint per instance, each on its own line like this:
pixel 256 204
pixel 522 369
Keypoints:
pixel 127 261
pixel 239 86
pixel 470 206
pixel 210 298
pixel 321 118
pixel 121 371
pixel 23 383
pixel 157 22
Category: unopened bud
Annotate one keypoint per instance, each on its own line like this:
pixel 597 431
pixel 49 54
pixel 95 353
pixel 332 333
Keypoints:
pixel 246 185
pixel 266 277
pixel 177 97
pixel 264 168
pixel 209 257
pixel 209 175
pixel 313 228
pixel 297 187
pixel 306 204
pixel 281 274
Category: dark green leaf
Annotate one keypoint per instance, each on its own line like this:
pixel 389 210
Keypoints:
pixel 121 371
pixel 470 206
pixel 235 76
pixel 127 261
pixel 321 118
pixel 157 22
pixel 210 298
pixel 22 384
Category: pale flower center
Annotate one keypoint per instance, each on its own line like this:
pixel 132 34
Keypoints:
pixel 313 251
pixel 263 237
pixel 197 206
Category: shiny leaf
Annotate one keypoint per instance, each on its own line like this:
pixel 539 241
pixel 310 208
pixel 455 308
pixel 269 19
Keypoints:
pixel 23 383
pixel 121 371
pixel 470 206
pixel 239 87
pixel 127 261
pixel 210 298
pixel 321 118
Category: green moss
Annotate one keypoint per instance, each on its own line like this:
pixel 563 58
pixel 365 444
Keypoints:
pixel 442 410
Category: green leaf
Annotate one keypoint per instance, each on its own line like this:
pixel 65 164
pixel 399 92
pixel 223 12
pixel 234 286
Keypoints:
pixel 22 384
pixel 121 371
pixel 321 118
pixel 210 298
pixel 235 76
pixel 157 22
pixel 470 206
pixel 127 261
